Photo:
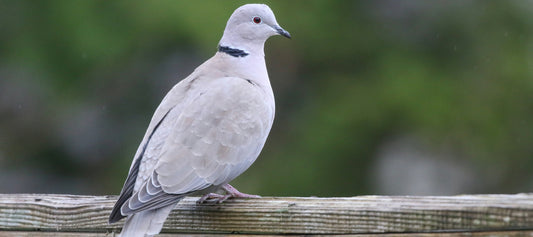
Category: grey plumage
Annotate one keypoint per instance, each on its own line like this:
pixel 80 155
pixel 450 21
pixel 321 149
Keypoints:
pixel 208 129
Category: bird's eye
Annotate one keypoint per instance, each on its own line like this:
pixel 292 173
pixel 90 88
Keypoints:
pixel 257 20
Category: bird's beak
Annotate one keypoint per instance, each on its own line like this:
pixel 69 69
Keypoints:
pixel 283 32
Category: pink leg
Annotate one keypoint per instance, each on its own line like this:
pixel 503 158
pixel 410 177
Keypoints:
pixel 231 192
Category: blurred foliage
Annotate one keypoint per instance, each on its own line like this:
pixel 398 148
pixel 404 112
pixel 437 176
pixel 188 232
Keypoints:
pixel 79 81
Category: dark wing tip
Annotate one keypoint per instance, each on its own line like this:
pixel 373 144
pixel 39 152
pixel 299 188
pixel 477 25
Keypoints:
pixel 115 215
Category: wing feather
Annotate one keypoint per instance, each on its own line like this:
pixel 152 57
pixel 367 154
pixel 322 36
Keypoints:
pixel 146 155
pixel 129 185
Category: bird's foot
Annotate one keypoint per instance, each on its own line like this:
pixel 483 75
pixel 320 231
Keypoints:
pixel 231 192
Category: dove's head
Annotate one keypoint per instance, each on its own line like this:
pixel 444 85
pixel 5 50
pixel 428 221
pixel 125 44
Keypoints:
pixel 251 25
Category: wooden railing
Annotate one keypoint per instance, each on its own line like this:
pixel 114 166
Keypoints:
pixel 74 215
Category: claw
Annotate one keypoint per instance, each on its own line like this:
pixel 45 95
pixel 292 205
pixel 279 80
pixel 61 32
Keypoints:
pixel 211 197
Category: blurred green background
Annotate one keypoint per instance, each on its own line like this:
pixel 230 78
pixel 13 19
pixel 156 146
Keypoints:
pixel 373 97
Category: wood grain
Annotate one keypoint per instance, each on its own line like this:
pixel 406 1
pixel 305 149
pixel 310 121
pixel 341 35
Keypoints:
pixel 451 234
pixel 280 215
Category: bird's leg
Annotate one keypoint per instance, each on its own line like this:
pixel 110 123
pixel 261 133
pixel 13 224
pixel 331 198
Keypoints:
pixel 231 192
pixel 236 194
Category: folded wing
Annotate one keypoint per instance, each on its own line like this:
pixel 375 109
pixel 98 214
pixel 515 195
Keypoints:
pixel 214 137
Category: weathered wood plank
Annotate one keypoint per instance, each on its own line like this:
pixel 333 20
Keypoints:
pixel 453 234
pixel 280 215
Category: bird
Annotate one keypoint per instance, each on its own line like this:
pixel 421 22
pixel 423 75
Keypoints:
pixel 208 129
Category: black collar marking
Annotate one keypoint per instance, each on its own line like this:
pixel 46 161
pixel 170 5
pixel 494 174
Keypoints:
pixel 232 51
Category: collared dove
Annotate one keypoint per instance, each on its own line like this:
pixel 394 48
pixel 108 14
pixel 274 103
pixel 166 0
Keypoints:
pixel 208 129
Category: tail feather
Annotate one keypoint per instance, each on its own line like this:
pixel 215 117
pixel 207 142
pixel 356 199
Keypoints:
pixel 146 223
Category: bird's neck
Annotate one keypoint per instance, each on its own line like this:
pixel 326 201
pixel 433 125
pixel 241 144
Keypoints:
pixel 239 47
pixel 246 62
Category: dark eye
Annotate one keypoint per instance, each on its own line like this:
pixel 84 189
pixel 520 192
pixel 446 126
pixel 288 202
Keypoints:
pixel 257 20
